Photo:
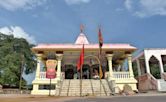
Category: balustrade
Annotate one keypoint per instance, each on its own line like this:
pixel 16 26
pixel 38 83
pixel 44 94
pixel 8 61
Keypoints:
pixel 121 75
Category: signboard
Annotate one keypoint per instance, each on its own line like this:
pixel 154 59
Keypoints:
pixel 51 72
pixel 51 63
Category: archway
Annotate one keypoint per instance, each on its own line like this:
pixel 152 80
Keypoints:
pixel 154 67
pixel 93 63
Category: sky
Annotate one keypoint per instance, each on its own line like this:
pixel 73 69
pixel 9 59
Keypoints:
pixel 140 23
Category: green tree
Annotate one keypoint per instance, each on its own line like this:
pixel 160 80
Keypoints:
pixel 135 70
pixel 155 71
pixel 15 53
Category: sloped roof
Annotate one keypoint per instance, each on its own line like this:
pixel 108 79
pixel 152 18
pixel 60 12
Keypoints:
pixel 79 46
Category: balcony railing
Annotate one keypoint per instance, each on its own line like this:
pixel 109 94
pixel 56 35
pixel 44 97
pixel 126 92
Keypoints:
pixel 116 75
pixel 42 75
pixel 121 75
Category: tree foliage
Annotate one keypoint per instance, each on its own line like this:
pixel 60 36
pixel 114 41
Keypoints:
pixel 135 70
pixel 15 54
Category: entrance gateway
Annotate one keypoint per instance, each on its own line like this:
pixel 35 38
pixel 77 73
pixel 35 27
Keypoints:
pixel 89 72
pixel 116 61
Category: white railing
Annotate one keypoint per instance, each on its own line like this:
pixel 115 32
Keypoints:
pixel 121 75
pixel 42 75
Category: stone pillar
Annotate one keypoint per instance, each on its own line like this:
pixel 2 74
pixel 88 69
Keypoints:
pixel 147 64
pixel 161 66
pixel 138 67
pixel 39 60
pixel 109 57
pixel 59 58
pixel 130 65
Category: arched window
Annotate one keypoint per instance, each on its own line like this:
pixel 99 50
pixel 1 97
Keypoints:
pixel 154 67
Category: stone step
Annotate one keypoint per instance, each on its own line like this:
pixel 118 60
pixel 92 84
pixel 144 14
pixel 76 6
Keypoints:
pixel 89 87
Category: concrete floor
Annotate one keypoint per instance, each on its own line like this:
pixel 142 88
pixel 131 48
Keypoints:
pixel 135 98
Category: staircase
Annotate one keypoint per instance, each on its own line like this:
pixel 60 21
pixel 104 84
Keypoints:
pixel 161 85
pixel 90 87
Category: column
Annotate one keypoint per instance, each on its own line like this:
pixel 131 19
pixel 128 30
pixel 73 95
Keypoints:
pixel 109 57
pixel 138 67
pixel 39 59
pixel 161 66
pixel 130 65
pixel 59 58
pixel 147 63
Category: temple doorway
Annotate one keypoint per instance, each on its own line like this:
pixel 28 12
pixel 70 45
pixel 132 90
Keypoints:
pixel 88 72
pixel 91 72
pixel 69 72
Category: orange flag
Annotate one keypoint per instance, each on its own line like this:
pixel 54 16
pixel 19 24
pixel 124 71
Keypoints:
pixel 81 59
pixel 100 72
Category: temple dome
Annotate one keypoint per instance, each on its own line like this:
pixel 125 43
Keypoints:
pixel 82 39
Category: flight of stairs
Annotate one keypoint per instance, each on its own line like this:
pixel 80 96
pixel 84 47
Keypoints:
pixel 90 87
pixel 161 85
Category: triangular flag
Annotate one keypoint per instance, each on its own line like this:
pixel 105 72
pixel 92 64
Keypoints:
pixel 81 59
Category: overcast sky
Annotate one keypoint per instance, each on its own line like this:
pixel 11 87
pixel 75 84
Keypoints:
pixel 138 22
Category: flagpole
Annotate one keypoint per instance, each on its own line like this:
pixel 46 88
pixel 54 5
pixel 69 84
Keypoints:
pixel 100 73
pixel 81 81
pixel 50 88
pixel 99 67
pixel 100 52
pixel 81 62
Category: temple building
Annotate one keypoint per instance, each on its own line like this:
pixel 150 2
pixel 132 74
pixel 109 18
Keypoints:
pixel 116 62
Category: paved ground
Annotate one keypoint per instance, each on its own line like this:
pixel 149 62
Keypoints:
pixel 135 98
pixel 123 99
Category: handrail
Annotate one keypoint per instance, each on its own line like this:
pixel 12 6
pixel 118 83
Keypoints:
pixel 68 88
pixel 61 84
pixel 103 88
pixel 110 86
pixel 92 87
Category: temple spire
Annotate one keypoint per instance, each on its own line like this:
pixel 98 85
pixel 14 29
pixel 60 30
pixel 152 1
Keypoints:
pixel 81 39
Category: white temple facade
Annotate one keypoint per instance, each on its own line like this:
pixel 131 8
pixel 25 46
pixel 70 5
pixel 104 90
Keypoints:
pixel 67 55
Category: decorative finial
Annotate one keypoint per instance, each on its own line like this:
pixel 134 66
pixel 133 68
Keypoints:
pixel 99 26
pixel 81 28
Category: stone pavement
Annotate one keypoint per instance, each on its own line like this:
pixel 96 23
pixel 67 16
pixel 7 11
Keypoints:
pixel 146 97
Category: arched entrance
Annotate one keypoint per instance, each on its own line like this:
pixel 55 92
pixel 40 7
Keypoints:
pixel 90 71
pixel 93 63
pixel 154 67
